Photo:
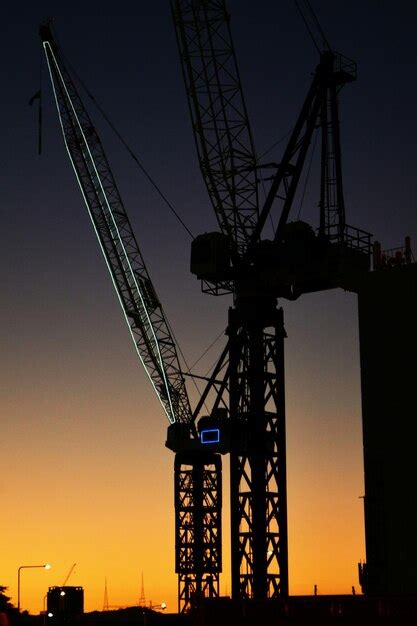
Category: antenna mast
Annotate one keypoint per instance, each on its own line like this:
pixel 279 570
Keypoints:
pixel 142 598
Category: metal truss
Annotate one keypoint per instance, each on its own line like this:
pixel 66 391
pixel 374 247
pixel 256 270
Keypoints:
pixel 319 111
pixel 258 454
pixel 198 503
pixel 143 312
pixel 219 117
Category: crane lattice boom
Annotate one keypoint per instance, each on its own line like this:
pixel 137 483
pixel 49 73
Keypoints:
pixel 221 127
pixel 141 307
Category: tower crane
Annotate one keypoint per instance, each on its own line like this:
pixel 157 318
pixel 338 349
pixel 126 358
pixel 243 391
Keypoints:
pixel 258 268
pixel 197 470
pixel 68 575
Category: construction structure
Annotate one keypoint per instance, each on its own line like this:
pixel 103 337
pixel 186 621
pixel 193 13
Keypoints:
pixel 387 301
pixel 65 604
pixel 197 474
pixel 259 266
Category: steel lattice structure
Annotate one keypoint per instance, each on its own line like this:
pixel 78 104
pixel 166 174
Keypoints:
pixel 198 491
pixel 320 110
pixel 141 307
pixel 198 525
pixel 258 452
pixel 258 271
pixel 246 391
pixel 221 127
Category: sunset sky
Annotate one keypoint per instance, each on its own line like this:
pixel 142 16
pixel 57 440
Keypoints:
pixel 85 476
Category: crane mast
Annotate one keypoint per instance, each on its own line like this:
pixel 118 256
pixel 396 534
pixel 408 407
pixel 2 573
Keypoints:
pixel 255 403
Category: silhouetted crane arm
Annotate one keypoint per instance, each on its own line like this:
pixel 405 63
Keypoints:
pixel 285 181
pixel 68 575
pixel 319 111
pixel 141 307
pixel 218 112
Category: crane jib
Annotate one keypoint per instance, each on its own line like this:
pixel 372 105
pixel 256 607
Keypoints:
pixel 144 315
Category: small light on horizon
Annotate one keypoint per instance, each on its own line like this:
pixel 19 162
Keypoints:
pixel 62 593
pixel 163 605
pixel 47 566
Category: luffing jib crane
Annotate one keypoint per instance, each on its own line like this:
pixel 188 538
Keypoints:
pixel 197 474
pixel 258 267
pixel 68 575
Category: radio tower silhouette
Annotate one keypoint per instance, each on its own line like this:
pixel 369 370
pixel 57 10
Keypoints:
pixel 106 598
pixel 142 599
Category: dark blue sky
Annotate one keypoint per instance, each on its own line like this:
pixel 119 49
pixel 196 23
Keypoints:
pixel 129 61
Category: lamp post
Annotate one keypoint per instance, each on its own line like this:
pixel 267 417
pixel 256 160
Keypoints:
pixel 45 566
pixel 151 607
pixel 44 607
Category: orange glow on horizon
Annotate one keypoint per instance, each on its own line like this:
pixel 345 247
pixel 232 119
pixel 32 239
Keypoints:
pixel 114 518
pixel 85 476
pixel 87 479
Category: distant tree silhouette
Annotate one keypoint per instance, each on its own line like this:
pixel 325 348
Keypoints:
pixel 5 604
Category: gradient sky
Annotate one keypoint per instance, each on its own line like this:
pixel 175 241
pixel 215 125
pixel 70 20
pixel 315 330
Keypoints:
pixel 84 474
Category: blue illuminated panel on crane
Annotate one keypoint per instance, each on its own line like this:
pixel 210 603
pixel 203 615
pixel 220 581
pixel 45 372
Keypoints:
pixel 211 435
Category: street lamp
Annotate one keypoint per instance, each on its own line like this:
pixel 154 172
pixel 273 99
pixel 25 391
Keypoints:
pixel 45 566
pixel 45 597
pixel 161 606
pixel 151 607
